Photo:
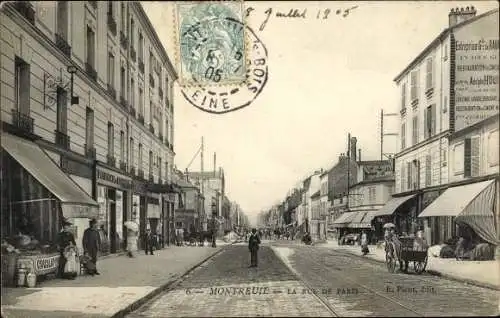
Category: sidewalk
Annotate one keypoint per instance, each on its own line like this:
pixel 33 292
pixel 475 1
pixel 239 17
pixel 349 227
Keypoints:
pixel 123 283
pixel 483 274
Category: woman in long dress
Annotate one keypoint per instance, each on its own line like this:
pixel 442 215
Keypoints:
pixel 132 236
pixel 364 243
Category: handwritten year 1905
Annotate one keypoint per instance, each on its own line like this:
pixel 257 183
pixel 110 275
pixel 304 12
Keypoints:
pixel 322 14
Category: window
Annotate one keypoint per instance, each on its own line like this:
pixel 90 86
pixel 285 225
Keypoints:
pixel 159 169
pixel 110 8
pixel 22 86
pixel 90 47
pixel 139 164
pixel 122 146
pixel 123 18
pixel 458 158
pixel 111 69
pixel 414 86
pixel 141 47
pixel 151 112
pixel 430 121
pixel 132 93
pixel 403 136
pixel 141 102
pixel 414 139
pixel 409 176
pixel 403 177
pixel 89 132
pixel 150 162
pixel 62 110
pixel 428 170
pixel 122 82
pixel 151 62
pixel 471 156
pixel 493 148
pixel 403 96
pixel 132 37
pixel 111 140
pixel 62 19
pixel 166 88
pixel 131 152
pixel 166 170
pixel 429 78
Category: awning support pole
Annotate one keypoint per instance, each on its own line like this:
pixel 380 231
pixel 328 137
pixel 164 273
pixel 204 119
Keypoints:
pixel 29 201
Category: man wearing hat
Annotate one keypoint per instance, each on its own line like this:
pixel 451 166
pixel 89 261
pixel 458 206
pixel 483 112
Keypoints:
pixel 92 242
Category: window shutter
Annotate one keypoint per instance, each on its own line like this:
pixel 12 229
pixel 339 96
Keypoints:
pixel 467 157
pixel 403 136
pixel 429 79
pixel 433 120
pixel 409 176
pixel 428 171
pixel 493 148
pixel 475 164
pixel 403 177
pixel 426 124
pixel 403 96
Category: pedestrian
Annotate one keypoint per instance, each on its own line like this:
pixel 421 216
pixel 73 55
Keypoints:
pixel 148 241
pixel 364 243
pixel 91 244
pixel 253 246
pixel 132 235
pixel 67 252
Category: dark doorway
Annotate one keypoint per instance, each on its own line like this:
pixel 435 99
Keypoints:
pixel 112 214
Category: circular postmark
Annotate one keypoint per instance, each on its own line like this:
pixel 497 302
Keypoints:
pixel 232 96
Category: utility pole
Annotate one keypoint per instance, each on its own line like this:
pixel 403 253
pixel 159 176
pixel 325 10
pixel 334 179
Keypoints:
pixel 382 134
pixel 348 169
pixel 201 156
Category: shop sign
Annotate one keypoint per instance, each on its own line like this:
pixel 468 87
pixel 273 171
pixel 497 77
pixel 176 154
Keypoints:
pixel 108 177
pixel 476 75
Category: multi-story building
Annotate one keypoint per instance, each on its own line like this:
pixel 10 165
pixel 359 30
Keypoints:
pixel 189 210
pixel 451 85
pixel 89 83
pixel 324 205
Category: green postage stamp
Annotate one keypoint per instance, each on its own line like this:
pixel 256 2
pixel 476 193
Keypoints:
pixel 210 43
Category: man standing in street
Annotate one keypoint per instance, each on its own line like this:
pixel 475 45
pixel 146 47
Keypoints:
pixel 149 241
pixel 92 242
pixel 253 246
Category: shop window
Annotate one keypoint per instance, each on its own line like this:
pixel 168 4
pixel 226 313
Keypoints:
pixel 493 148
pixel 22 86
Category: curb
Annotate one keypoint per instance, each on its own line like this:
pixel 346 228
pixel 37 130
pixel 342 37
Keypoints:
pixel 435 273
pixel 171 283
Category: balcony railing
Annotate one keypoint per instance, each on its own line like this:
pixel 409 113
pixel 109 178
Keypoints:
pixel 63 45
pixel 90 152
pixel 111 91
pixel 111 160
pixel 133 54
pixel 141 119
pixel 141 66
pixel 123 102
pixel 62 139
pixel 151 81
pixel 24 122
pixel 132 171
pixel 112 24
pixel 26 10
pixel 91 71
pixel 160 92
pixel 140 173
pixel 123 165
pixel 132 110
pixel 123 40
pixel 151 128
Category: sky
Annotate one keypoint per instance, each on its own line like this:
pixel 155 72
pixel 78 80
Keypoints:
pixel 327 78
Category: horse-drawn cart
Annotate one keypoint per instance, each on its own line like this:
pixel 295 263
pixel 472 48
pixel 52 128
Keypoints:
pixel 406 249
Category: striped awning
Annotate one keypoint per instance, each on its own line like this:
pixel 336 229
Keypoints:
pixel 472 204
pixel 363 220
pixel 344 219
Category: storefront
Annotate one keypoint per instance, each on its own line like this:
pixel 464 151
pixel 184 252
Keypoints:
pixel 139 193
pixel 168 217
pixel 113 189
pixel 36 196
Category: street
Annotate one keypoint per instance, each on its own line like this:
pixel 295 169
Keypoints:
pixel 298 280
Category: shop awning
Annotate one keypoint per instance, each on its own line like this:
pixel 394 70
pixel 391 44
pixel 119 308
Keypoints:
pixel 75 202
pixel 471 204
pixel 362 220
pixel 344 219
pixel 356 220
pixel 392 205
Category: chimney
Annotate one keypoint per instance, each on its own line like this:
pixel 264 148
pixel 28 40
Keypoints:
pixel 459 15
pixel 359 154
pixel 353 148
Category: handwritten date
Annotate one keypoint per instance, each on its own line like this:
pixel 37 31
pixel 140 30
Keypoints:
pixel 321 14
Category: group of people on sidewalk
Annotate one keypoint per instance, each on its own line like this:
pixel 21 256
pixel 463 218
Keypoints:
pixel 68 260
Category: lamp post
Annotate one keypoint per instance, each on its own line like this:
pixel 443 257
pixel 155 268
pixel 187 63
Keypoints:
pixel 72 70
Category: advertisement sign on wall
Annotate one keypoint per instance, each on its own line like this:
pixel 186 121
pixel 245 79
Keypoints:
pixel 476 72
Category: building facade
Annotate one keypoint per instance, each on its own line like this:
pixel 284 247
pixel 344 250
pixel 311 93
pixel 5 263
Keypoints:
pixel 448 87
pixel 97 98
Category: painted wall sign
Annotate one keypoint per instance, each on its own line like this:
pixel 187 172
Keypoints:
pixel 111 178
pixel 476 74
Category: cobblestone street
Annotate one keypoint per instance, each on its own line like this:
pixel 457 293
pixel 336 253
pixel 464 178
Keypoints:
pixel 297 280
